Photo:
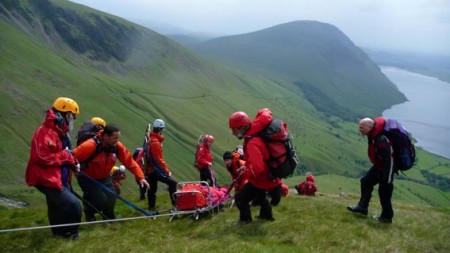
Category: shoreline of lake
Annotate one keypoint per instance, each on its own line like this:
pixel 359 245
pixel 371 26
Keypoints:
pixel 426 114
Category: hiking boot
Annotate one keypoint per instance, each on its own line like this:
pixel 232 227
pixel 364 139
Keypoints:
pixel 271 218
pixel 358 209
pixel 89 217
pixel 382 219
pixel 74 236
pixel 243 222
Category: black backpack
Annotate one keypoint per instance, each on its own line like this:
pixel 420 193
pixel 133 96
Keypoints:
pixel 87 130
pixel 401 141
pixel 283 156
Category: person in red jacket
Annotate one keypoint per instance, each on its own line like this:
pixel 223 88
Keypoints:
pixel 50 163
pixel 204 160
pixel 256 156
pixel 98 156
pixel 307 187
pixel 157 169
pixel 382 170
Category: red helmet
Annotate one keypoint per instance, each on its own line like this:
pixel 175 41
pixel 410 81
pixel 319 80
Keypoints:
pixel 238 119
pixel 208 138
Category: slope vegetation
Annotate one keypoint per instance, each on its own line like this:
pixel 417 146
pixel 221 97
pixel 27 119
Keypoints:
pixel 303 224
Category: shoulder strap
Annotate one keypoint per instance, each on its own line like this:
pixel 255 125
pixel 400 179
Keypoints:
pixel 98 150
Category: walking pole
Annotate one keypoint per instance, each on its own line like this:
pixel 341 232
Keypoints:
pixel 115 194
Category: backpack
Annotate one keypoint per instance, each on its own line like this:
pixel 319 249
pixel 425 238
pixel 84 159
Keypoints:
pixel 404 150
pixel 98 150
pixel 140 154
pixel 283 156
pixel 87 131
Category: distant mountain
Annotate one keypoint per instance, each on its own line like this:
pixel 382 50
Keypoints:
pixel 335 76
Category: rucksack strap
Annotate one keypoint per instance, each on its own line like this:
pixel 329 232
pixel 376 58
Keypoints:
pixel 98 150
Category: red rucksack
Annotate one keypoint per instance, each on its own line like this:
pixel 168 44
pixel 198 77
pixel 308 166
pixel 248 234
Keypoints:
pixel 283 156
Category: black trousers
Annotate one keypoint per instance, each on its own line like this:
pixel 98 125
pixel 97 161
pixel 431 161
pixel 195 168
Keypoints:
pixel 62 207
pixel 385 179
pixel 248 193
pixel 96 198
pixel 153 179
pixel 206 175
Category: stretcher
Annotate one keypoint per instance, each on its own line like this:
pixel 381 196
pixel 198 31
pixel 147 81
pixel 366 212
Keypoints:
pixel 197 197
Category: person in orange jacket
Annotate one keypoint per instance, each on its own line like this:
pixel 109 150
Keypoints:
pixel 97 157
pixel 50 163
pixel 204 160
pixel 235 166
pixel 157 169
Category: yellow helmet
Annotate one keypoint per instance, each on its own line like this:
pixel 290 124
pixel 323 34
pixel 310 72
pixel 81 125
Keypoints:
pixel 64 104
pixel 98 121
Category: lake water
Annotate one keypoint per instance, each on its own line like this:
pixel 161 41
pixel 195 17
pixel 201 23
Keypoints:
pixel 426 114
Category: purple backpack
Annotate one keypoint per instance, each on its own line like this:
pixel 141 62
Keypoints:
pixel 404 150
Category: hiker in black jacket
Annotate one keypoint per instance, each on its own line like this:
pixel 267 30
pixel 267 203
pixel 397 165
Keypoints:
pixel 382 171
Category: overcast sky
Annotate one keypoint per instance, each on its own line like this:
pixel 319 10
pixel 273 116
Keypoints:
pixel 408 25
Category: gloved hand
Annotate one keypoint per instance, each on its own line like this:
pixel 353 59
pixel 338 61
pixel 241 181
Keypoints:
pixel 71 158
pixel 75 167
pixel 241 169
pixel 143 183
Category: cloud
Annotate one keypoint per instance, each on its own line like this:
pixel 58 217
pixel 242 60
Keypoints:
pixel 412 25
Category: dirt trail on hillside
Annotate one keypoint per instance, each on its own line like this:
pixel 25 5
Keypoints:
pixel 12 203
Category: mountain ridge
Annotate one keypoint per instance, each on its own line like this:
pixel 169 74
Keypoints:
pixel 316 57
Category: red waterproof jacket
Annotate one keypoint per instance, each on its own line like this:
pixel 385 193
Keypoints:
pixel 156 153
pixel 308 188
pixel 204 156
pixel 379 147
pixel 47 155
pixel 256 153
pixel 101 165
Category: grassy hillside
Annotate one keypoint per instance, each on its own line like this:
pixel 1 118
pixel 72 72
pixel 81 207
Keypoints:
pixel 335 76
pixel 303 224
pixel 146 76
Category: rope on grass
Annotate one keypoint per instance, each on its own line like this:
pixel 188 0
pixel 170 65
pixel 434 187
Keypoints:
pixel 84 223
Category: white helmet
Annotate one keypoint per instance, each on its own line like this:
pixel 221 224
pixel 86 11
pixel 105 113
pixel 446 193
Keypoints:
pixel 159 123
pixel 122 168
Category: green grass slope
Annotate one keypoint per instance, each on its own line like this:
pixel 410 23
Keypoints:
pixel 303 224
pixel 146 77
pixel 335 75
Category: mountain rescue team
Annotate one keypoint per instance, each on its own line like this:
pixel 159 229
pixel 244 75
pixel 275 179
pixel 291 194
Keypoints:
pixel 52 162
